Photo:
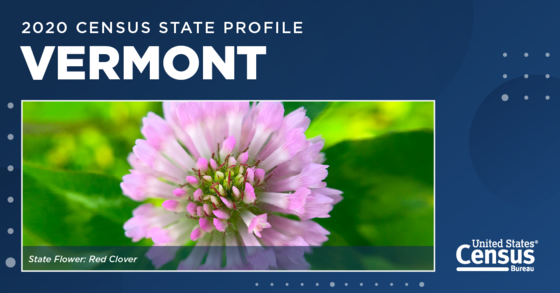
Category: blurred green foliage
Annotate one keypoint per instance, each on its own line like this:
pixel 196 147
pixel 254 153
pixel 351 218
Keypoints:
pixel 388 190
pixel 342 121
pixel 380 154
pixel 71 208
pixel 91 136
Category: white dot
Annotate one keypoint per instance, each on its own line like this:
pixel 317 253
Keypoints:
pixel 505 54
pixel 257 284
pixel 547 97
pixel 505 97
pixel 505 76
pixel 376 284
pixel 547 76
pixel 406 284
pixel 547 54
pixel 10 262
pixel 287 284
pixel 526 76
pixel 421 284
pixel 526 97
pixel 10 136
pixel 345 284
pixel 271 284
pixel 332 284
pixel 391 284
pixel 10 199
pixel 316 284
pixel 10 231
pixel 361 284
pixel 302 284
pixel 10 105
pixel 10 168
pixel 526 54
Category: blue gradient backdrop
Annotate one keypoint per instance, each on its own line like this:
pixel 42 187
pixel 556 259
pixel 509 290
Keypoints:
pixel 497 162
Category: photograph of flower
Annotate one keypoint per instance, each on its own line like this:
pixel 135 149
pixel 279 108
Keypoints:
pixel 223 185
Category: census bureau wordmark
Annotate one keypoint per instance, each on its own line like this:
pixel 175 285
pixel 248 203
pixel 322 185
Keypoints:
pixel 520 252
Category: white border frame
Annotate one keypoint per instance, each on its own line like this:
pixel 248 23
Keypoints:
pixel 232 271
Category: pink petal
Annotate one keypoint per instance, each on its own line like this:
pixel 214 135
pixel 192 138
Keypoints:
pixel 317 206
pixel 228 146
pixel 145 152
pixel 199 211
pixel 139 186
pixel 160 236
pixel 243 158
pixel 236 192
pixel 236 108
pixel 144 209
pixel 213 164
pixel 156 128
pixel 221 214
pixel 296 119
pixel 227 202
pixel 259 174
pixel 297 199
pixel 205 225
pixel 156 161
pixel 197 194
pixel 232 162
pixel 295 141
pixel 250 175
pixel 189 114
pixel 160 255
pixel 179 192
pixel 192 180
pixel 313 233
pixel 202 164
pixel 271 115
pixel 191 208
pixel 170 204
pixel 133 191
pixel 258 223
pixel 138 164
pixel 262 259
pixel 304 157
pixel 249 196
pixel 330 192
pixel 212 110
pixel 196 233
pixel 311 176
pixel 220 224
pixel 272 237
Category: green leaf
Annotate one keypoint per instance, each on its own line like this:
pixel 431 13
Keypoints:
pixel 64 208
pixel 388 191
pixel 313 108
pixel 343 121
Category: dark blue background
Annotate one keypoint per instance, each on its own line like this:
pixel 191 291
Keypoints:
pixel 497 162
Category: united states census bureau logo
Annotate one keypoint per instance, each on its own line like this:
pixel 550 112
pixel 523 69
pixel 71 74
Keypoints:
pixel 497 256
